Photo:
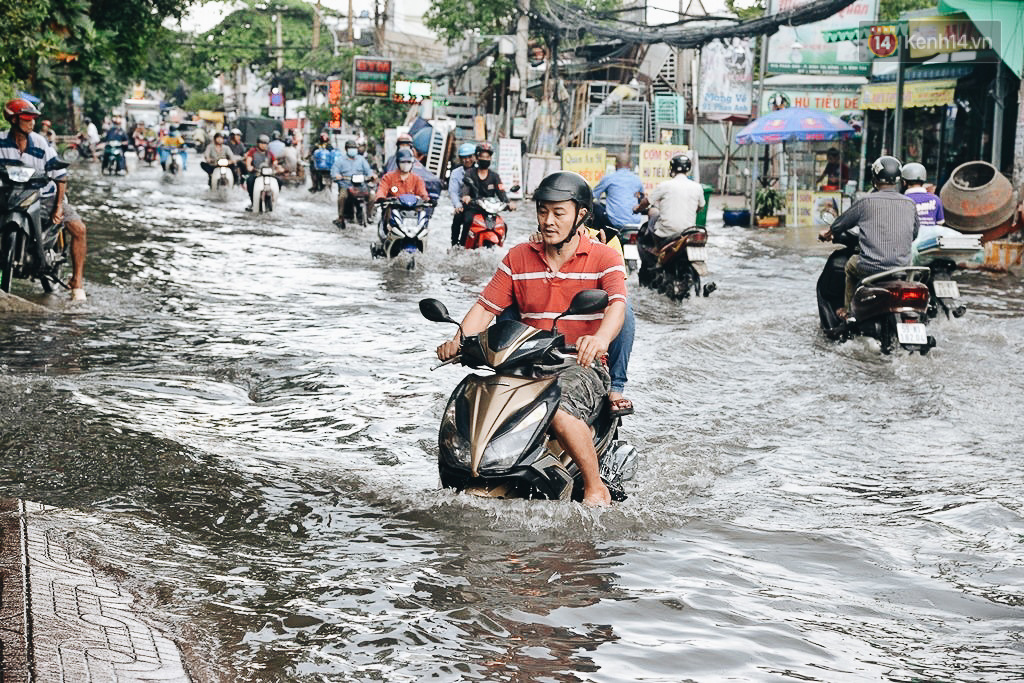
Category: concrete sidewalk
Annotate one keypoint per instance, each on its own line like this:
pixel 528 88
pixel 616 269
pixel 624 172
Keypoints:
pixel 61 621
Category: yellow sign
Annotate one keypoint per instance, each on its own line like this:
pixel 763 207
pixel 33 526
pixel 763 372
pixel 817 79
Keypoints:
pixel 589 162
pixel 814 208
pixel 929 36
pixel 915 94
pixel 653 166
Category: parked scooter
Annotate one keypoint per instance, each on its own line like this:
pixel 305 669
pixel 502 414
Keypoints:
pixel 31 246
pixel 494 439
pixel 403 227
pixel 944 291
pixel 675 267
pixel 891 306
pixel 112 161
pixel 265 190
pixel 488 227
pixel 222 179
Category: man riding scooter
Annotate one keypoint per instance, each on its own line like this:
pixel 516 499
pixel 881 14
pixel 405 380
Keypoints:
pixel 345 166
pixel 467 157
pixel 888 224
pixel 480 182
pixel 622 190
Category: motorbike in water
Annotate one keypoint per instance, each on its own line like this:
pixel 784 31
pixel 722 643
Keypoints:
pixel 676 266
pixel 488 227
pixel 222 179
pixel 31 246
pixel 174 164
pixel 403 227
pixel 78 149
pixel 265 190
pixel 358 205
pixel 149 150
pixel 113 162
pixel 943 289
pixel 494 438
pixel 628 236
pixel 890 306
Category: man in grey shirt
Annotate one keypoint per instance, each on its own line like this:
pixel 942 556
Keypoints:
pixel 888 225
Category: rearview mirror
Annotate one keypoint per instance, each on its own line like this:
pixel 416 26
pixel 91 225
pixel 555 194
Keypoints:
pixel 588 301
pixel 514 189
pixel 55 164
pixel 435 311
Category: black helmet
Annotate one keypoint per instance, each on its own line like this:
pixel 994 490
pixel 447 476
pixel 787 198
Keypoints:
pixel 680 163
pixel 485 147
pixel 562 186
pixel 886 170
pixel 914 173
pixel 351 144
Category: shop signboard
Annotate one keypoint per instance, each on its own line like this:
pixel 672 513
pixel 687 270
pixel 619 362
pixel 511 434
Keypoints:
pixel 814 208
pixel 726 77
pixel 915 94
pixel 589 162
pixel 334 103
pixel 653 164
pixel 831 100
pixel 927 36
pixel 371 77
pixel 804 50
pixel 510 165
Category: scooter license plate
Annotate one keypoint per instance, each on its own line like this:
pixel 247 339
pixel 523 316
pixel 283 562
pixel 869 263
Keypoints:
pixel 630 253
pixel 697 253
pixel 946 289
pixel 912 333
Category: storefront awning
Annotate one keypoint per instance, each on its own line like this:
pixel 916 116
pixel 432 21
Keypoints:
pixel 915 94
pixel 1001 21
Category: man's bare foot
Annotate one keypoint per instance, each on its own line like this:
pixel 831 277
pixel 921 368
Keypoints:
pixel 841 313
pixel 599 497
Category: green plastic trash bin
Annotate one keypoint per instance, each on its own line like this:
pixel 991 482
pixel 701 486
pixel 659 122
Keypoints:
pixel 702 215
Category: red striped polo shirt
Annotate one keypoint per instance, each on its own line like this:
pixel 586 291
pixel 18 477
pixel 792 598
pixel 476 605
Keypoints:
pixel 524 278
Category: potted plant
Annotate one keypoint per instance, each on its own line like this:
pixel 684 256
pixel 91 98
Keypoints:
pixel 767 205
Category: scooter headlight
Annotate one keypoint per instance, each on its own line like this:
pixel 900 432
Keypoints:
pixel 503 451
pixel 454 446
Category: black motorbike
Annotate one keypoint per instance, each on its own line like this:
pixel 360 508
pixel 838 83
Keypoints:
pixel 31 246
pixel 890 306
pixel 112 161
pixel 945 293
pixel 494 439
pixel 676 266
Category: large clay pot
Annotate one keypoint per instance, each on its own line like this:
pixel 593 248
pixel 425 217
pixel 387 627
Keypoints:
pixel 977 198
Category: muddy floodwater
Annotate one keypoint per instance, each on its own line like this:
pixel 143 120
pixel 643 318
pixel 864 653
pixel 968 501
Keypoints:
pixel 245 417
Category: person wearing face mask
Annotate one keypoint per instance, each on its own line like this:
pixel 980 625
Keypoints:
pixel 480 182
pixel 401 181
pixel 345 166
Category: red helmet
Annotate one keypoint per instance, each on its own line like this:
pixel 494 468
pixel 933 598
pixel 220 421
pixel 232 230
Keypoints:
pixel 403 138
pixel 485 147
pixel 19 107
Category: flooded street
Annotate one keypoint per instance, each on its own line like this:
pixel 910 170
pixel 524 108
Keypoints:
pixel 245 417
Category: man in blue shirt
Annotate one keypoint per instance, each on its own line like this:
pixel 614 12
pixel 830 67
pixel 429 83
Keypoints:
pixel 345 166
pixel 467 157
pixel 622 190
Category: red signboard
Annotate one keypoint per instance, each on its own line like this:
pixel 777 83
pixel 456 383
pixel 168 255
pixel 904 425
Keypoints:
pixel 334 102
pixel 883 41
pixel 371 77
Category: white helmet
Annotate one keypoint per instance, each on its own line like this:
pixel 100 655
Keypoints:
pixel 914 173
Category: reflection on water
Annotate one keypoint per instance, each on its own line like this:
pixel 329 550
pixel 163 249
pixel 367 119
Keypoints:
pixel 246 410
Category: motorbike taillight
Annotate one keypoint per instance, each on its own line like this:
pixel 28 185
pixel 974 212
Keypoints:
pixel 696 238
pixel 912 295
pixel 632 237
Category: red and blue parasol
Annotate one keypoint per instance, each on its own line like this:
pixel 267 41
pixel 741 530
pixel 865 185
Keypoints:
pixel 786 125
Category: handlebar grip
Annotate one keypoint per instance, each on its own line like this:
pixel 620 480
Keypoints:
pixel 569 348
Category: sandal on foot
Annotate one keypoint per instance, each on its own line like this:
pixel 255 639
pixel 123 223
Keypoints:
pixel 621 407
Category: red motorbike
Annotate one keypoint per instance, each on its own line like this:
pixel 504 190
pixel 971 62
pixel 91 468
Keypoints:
pixel 488 227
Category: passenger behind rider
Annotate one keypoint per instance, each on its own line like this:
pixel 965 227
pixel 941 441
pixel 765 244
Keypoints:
pixel 480 182
pixel 276 145
pixel 22 144
pixel 321 158
pixel 467 157
pixel 888 224
pixel 674 203
pixel 256 159
pixel 345 166
pixel 47 131
pixel 172 143
pixel 622 189
pixel 214 153
pixel 929 206
pixel 540 279
pixel 237 147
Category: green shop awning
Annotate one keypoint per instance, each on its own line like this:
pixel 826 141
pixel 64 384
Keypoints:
pixel 1001 21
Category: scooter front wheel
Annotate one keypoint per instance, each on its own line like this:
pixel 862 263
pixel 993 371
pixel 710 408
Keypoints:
pixel 7 248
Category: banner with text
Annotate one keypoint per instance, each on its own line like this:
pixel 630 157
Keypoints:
pixel 804 50
pixel 371 77
pixel 915 94
pixel 726 77
pixel 653 166
pixel 589 162
pixel 510 165
pixel 832 101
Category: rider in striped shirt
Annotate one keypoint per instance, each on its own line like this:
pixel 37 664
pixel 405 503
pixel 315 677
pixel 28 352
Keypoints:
pixel 541 278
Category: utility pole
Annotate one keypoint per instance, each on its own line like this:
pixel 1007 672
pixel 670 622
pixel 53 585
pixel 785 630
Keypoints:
pixel 351 31
pixel 522 45
pixel 280 45
pixel 316 26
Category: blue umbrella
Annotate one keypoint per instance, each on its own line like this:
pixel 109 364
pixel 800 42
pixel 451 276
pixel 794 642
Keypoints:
pixel 794 123
pixel 31 98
